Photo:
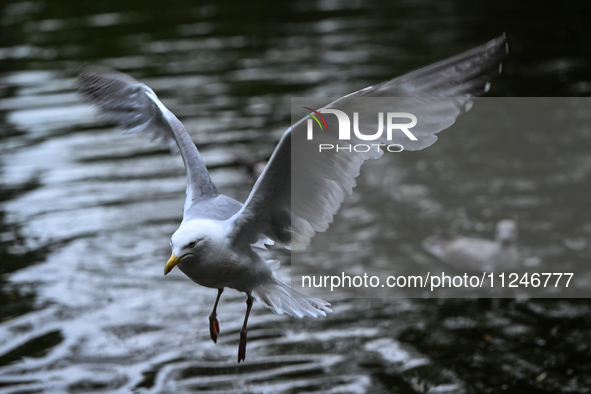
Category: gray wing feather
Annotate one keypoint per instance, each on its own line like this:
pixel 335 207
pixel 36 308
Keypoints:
pixel 468 73
pixel 291 201
pixel 136 108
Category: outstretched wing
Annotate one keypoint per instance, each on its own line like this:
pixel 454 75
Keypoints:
pixel 136 108
pixel 293 199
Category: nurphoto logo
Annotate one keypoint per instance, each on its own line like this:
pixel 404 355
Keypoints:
pixel 392 120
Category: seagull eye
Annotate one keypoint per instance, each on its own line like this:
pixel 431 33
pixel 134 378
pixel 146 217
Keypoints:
pixel 191 245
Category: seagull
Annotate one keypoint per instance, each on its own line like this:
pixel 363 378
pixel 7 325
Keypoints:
pixel 474 254
pixel 214 243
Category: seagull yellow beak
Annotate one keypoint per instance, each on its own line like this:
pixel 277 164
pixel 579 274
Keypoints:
pixel 171 263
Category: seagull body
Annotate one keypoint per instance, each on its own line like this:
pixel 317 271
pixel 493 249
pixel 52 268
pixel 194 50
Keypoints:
pixel 214 244
pixel 204 249
pixel 475 254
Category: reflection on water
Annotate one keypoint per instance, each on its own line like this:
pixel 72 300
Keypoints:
pixel 85 214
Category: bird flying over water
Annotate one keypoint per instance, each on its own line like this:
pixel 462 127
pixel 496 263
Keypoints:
pixel 214 243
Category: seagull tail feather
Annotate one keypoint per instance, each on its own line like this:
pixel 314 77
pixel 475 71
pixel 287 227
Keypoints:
pixel 281 298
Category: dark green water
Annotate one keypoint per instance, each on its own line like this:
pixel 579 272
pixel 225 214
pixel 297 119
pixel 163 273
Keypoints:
pixel 86 214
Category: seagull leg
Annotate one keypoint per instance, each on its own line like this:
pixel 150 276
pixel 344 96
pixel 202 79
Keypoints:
pixel 242 345
pixel 214 326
